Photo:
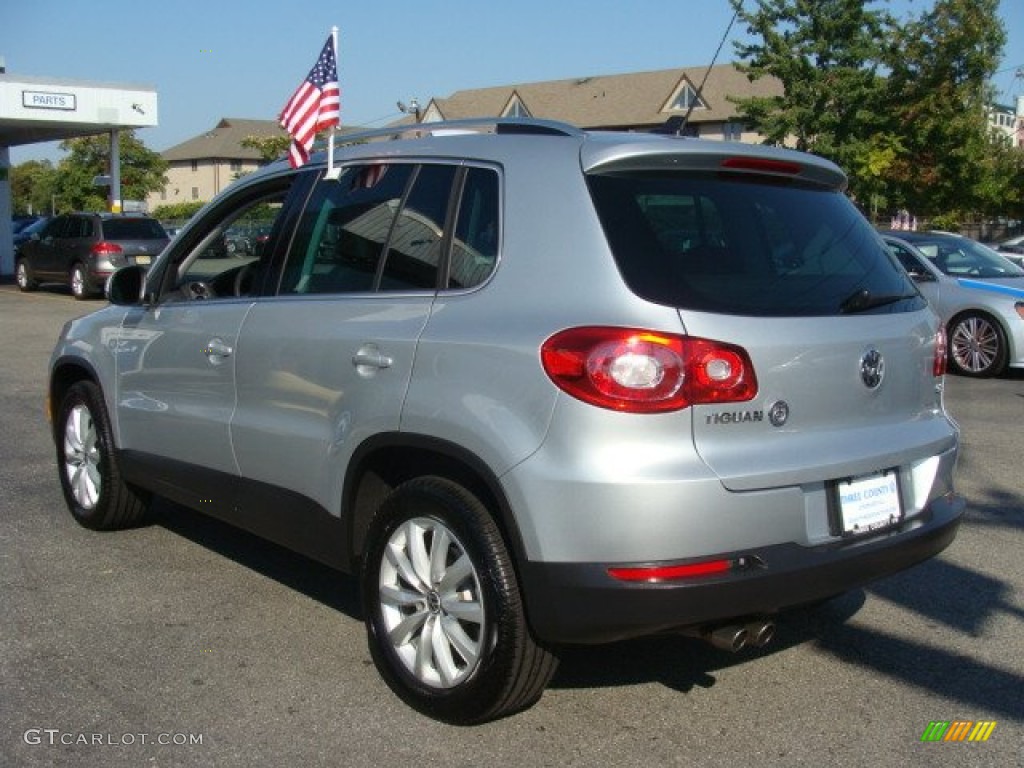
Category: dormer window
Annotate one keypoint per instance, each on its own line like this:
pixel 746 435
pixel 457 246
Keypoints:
pixel 684 97
pixel 515 108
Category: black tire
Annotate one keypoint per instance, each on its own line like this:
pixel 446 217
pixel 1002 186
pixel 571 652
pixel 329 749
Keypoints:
pixel 482 662
pixel 90 477
pixel 977 346
pixel 23 276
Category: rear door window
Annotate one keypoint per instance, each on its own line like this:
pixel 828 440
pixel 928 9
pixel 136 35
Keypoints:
pixel 762 248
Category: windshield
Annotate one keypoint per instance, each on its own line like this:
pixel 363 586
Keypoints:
pixel 961 257
pixel 731 245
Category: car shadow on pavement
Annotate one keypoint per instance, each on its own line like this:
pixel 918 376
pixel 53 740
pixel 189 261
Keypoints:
pixel 948 597
pixel 320 582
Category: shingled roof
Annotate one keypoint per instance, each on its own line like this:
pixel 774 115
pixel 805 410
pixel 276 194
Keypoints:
pixel 224 141
pixel 639 99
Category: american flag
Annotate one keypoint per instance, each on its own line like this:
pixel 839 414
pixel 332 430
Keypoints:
pixel 315 106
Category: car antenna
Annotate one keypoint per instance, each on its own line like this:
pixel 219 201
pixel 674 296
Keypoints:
pixel 676 125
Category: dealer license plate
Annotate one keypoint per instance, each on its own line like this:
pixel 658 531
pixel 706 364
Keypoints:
pixel 869 503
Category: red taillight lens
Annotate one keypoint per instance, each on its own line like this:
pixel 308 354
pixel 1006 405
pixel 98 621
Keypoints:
pixel 103 248
pixel 659 573
pixel 939 362
pixel 638 371
pixel 761 165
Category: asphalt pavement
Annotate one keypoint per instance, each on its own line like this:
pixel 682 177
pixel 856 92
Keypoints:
pixel 186 643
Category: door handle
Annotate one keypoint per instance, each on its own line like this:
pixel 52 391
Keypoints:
pixel 370 357
pixel 216 351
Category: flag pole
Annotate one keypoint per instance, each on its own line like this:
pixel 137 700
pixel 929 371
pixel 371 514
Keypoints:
pixel 333 173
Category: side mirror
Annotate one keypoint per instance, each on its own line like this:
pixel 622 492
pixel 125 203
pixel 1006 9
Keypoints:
pixel 124 287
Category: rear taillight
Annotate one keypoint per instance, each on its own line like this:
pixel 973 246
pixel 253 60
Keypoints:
pixel 939 361
pixel 638 371
pixel 103 248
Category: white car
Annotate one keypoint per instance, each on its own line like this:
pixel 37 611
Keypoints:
pixel 978 293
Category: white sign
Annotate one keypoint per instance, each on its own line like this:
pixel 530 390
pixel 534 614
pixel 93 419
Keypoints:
pixel 49 100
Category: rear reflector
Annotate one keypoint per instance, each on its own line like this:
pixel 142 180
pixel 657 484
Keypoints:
pixel 659 573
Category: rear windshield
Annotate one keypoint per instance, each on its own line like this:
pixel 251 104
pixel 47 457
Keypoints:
pixel 734 246
pixel 133 229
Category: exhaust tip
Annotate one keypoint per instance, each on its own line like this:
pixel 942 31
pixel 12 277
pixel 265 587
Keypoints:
pixel 729 638
pixel 760 633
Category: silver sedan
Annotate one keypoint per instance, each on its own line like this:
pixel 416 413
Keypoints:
pixel 978 294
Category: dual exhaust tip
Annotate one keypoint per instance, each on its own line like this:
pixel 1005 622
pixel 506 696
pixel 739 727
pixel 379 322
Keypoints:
pixel 735 637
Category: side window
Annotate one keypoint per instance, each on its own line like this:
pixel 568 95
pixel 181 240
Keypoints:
pixel 230 253
pixel 415 246
pixel 56 228
pixel 343 231
pixel 475 244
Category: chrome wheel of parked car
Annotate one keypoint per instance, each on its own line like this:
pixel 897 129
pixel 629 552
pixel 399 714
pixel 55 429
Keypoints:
pixel 24 277
pixel 90 477
pixel 78 282
pixel 445 621
pixel 977 346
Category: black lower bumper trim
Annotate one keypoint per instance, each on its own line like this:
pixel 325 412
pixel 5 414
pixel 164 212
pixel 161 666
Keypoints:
pixel 582 603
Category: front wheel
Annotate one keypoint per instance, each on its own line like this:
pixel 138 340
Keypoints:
pixel 977 346
pixel 89 474
pixel 23 277
pixel 444 617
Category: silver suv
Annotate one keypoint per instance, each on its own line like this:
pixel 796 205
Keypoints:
pixel 535 386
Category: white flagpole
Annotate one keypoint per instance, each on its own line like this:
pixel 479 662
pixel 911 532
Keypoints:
pixel 333 173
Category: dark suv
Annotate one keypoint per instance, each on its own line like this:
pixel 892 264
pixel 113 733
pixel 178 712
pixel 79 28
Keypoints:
pixel 83 249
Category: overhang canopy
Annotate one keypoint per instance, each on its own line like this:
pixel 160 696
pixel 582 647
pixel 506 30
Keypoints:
pixel 37 109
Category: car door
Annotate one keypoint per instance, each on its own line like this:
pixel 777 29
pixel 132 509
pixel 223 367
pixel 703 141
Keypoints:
pixel 176 359
pixel 43 252
pixel 327 362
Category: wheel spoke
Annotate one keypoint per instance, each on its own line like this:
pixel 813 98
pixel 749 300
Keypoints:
pixel 396 556
pixel 463 609
pixel 403 632
pixel 467 647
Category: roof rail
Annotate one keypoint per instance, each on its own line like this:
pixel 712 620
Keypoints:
pixel 500 125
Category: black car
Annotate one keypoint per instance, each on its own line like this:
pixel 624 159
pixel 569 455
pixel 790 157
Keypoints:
pixel 83 249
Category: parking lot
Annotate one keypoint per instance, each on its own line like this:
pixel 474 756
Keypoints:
pixel 188 643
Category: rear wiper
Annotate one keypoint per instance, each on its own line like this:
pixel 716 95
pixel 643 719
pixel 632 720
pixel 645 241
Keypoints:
pixel 861 300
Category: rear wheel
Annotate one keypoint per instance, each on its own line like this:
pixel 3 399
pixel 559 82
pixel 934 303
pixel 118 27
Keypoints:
pixel 78 280
pixel 977 346
pixel 24 277
pixel 90 477
pixel 444 617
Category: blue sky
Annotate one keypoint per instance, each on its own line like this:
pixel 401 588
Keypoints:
pixel 243 58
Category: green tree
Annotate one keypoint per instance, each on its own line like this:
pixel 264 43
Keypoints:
pixel 33 185
pixel 142 171
pixel 269 147
pixel 940 64
pixel 827 55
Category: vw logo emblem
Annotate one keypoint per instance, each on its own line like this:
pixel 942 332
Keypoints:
pixel 778 413
pixel 872 368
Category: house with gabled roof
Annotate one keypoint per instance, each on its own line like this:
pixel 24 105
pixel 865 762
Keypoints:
pixel 202 166
pixel 634 101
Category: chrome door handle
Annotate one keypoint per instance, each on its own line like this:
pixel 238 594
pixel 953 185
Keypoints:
pixel 370 356
pixel 216 350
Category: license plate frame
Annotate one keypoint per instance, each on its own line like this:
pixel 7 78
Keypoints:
pixel 866 504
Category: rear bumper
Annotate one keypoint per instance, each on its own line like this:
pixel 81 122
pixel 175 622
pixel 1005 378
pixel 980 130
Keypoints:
pixel 581 603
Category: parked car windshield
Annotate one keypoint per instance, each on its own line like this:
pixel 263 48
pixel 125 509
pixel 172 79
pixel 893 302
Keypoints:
pixel 736 246
pixel 962 257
